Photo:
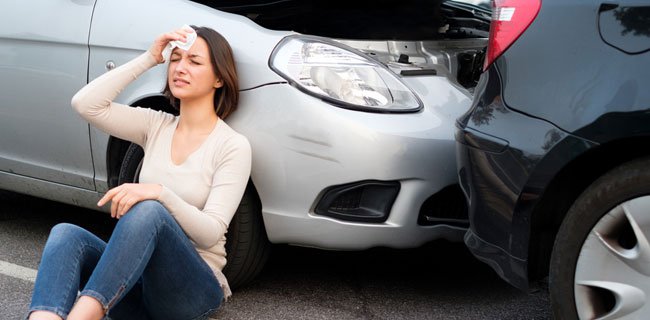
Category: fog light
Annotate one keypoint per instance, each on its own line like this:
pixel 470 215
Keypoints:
pixel 363 201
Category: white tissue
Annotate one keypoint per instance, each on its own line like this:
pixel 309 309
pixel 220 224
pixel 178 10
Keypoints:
pixel 191 37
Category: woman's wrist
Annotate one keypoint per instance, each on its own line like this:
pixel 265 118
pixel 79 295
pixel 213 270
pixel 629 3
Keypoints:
pixel 157 190
pixel 158 60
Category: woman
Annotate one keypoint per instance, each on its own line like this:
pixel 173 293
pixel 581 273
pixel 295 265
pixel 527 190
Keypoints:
pixel 165 256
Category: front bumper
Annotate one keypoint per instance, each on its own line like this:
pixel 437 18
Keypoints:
pixel 303 145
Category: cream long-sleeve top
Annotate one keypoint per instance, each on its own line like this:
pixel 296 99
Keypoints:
pixel 203 192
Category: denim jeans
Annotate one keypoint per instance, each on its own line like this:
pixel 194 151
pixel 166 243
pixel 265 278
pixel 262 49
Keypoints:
pixel 149 269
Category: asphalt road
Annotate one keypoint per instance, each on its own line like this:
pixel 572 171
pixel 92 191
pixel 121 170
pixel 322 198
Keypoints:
pixel 438 281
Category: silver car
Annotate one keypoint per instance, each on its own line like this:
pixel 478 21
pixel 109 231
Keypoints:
pixel 352 134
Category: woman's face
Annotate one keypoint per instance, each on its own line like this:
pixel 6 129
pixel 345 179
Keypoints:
pixel 190 74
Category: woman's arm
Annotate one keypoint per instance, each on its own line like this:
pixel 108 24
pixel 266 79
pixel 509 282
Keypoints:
pixel 94 102
pixel 206 227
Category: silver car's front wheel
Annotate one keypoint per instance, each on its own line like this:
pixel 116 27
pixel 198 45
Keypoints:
pixel 600 266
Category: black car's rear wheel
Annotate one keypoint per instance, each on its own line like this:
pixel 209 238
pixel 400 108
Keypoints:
pixel 600 266
pixel 247 246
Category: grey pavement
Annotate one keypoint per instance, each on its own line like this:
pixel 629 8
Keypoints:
pixel 438 281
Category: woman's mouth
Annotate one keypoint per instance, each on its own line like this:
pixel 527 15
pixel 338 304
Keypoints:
pixel 180 82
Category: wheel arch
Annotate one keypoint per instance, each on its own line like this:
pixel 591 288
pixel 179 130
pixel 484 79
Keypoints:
pixel 116 148
pixel 565 187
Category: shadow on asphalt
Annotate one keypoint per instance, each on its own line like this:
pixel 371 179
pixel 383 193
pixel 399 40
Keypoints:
pixel 49 213
pixel 437 267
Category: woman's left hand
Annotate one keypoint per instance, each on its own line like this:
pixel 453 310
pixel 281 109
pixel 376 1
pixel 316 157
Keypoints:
pixel 126 195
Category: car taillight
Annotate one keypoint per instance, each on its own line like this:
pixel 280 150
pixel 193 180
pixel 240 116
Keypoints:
pixel 510 18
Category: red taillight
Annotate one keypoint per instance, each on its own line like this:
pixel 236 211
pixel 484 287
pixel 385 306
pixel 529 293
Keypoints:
pixel 510 18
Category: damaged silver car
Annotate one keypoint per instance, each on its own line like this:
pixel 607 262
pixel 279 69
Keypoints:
pixel 349 109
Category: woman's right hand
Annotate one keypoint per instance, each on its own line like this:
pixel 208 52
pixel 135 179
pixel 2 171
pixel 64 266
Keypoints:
pixel 162 40
pixel 124 196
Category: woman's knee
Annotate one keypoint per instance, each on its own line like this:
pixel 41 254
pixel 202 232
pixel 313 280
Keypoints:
pixel 148 206
pixel 66 237
pixel 148 213
pixel 65 233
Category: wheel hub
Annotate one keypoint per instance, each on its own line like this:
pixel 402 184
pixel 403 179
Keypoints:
pixel 612 278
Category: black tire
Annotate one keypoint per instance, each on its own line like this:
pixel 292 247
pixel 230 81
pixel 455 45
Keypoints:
pixel 5 195
pixel 628 181
pixel 131 164
pixel 247 246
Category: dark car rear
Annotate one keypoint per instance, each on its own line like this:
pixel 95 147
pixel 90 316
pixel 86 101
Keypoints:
pixel 554 155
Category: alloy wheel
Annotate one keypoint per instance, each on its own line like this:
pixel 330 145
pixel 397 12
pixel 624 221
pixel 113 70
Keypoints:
pixel 612 277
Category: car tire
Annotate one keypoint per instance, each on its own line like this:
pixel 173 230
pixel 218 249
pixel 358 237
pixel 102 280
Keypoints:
pixel 594 270
pixel 131 165
pixel 247 247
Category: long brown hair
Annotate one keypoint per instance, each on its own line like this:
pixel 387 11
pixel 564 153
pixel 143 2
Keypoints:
pixel 227 96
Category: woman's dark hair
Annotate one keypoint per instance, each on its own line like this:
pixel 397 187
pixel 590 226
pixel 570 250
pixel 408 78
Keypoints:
pixel 223 63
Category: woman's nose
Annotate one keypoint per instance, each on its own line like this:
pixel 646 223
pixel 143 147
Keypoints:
pixel 181 65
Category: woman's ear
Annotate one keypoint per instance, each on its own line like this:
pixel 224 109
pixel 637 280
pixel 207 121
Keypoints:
pixel 218 84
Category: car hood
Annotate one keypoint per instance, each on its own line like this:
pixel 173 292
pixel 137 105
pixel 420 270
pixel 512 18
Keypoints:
pixel 382 20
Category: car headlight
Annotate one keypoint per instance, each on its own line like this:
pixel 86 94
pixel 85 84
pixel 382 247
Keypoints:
pixel 341 75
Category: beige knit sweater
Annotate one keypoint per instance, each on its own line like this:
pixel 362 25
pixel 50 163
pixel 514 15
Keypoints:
pixel 202 193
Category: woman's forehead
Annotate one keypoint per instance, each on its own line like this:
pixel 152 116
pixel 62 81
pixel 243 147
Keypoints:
pixel 198 49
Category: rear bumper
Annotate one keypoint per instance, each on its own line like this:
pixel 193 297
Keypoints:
pixel 511 269
pixel 502 169
pixel 491 202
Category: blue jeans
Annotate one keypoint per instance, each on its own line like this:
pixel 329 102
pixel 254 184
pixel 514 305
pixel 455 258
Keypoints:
pixel 149 269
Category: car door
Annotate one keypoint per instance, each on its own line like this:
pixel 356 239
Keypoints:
pixel 43 62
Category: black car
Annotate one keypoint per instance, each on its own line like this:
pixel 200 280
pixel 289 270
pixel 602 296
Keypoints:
pixel 554 155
